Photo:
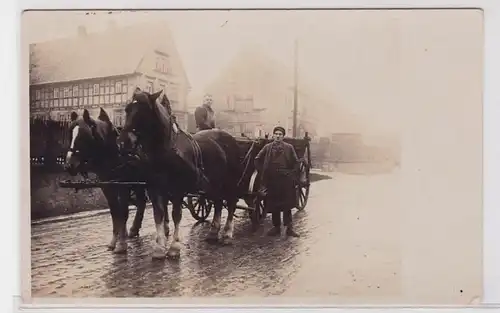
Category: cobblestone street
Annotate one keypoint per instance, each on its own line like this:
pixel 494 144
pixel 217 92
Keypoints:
pixel 347 247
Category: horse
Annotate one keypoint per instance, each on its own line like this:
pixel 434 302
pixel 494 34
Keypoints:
pixel 180 163
pixel 94 147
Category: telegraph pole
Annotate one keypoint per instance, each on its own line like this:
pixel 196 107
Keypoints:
pixel 295 89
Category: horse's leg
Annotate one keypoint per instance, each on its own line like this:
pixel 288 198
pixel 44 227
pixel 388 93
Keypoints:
pixel 167 221
pixel 158 201
pixel 139 213
pixel 213 234
pixel 121 221
pixel 175 247
pixel 227 237
pixel 113 203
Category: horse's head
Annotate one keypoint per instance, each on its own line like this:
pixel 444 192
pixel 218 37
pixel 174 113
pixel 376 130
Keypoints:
pixel 89 139
pixel 146 120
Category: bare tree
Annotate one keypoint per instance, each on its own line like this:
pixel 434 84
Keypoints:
pixel 32 67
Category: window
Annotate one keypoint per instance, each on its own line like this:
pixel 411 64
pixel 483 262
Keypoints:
pixel 51 103
pixel 112 89
pixel 101 99
pixel 118 98
pixel 56 103
pixel 70 101
pixel 96 89
pixel 96 100
pixel 101 90
pixel 75 101
pixel 150 87
pixel 56 93
pixel 37 94
pixel 90 100
pixel 75 91
pixel 106 99
pixel 162 64
pixel 86 101
pixel 106 90
pixel 66 93
pixel 80 91
pixel 118 87
pixel 118 119
pixel 125 88
pixel 85 92
pixel 124 98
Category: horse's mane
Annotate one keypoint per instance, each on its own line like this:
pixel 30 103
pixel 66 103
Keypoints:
pixel 164 114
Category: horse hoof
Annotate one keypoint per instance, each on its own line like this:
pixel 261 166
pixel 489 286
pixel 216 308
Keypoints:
pixel 173 254
pixel 226 241
pixel 158 254
pixel 111 246
pixel 120 249
pixel 133 233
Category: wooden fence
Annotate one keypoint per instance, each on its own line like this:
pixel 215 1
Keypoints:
pixel 49 141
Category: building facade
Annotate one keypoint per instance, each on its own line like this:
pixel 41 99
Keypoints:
pixel 240 117
pixel 101 70
pixel 256 94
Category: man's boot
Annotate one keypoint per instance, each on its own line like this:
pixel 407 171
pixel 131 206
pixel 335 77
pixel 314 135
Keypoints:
pixel 290 232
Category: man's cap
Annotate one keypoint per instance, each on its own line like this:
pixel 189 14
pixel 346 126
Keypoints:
pixel 280 129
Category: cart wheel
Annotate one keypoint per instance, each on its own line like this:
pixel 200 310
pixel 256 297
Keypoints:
pixel 258 214
pixel 304 181
pixel 199 207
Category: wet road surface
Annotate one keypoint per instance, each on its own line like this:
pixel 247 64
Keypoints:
pixel 349 246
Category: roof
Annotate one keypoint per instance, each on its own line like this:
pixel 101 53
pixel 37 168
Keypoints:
pixel 116 51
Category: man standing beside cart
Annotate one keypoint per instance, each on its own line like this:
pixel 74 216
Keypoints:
pixel 278 164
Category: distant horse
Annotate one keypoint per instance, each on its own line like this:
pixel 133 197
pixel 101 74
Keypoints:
pixel 94 147
pixel 179 163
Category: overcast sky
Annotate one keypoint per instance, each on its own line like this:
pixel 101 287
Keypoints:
pixel 352 54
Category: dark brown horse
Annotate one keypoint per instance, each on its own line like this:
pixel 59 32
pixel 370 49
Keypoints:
pixel 94 148
pixel 179 163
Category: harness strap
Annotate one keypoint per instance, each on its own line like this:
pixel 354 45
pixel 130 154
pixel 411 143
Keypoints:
pixel 198 166
pixel 198 163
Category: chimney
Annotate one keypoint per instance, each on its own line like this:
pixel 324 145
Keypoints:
pixel 82 31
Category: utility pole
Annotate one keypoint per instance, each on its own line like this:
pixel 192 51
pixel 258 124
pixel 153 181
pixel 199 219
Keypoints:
pixel 295 90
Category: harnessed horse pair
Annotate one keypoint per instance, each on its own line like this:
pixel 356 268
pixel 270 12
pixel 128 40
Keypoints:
pixel 174 163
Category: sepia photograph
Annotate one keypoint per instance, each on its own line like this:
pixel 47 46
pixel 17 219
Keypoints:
pixel 323 156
